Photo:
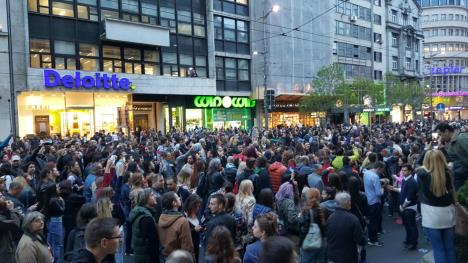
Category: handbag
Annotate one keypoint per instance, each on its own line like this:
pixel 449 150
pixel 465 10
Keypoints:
pixel 313 239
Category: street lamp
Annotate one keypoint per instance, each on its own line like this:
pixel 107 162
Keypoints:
pixel 275 8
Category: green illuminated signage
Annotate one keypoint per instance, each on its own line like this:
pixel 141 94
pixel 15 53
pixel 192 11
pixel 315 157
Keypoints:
pixel 226 102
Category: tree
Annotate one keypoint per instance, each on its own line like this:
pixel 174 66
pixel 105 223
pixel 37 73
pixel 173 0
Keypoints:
pixel 404 93
pixel 328 79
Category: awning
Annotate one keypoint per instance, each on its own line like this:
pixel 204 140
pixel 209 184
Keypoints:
pixel 289 98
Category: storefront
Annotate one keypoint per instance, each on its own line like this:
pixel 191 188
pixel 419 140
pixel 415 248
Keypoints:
pixel 286 113
pixel 450 106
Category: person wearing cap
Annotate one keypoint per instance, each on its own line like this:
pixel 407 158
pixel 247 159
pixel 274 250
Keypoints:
pixel 16 165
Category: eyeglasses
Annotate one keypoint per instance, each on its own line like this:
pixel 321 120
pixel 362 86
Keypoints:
pixel 117 237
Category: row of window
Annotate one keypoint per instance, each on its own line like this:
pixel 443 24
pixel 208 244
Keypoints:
pixel 238 7
pixel 350 9
pixel 232 69
pixel 445 47
pixel 425 3
pixel 353 51
pixel 442 32
pixel 444 17
pixel 231 29
pixel 185 20
pixel 449 62
pixel 408 64
pixel 351 30
pixel 402 19
pixel 447 83
pixel 352 71
pixel 410 41
pixel 84 56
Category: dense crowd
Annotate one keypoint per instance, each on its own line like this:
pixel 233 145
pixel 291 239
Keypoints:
pixel 297 194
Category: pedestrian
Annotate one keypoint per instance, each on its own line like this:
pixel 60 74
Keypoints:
pixel 435 187
pixel 263 205
pixel 408 206
pixel 265 226
pixel 192 208
pixel 33 246
pixel 10 220
pixel 75 239
pixel 312 214
pixel 278 249
pixel 245 199
pixel 220 247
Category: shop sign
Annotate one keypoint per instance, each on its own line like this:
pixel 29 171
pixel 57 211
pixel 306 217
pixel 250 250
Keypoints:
pixel 53 79
pixel 143 107
pixel 456 108
pixel 450 93
pixel 376 109
pixel 443 70
pixel 226 102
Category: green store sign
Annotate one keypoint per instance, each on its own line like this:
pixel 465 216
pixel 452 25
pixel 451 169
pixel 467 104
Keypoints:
pixel 226 102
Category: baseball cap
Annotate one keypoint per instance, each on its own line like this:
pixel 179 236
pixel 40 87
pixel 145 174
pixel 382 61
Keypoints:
pixel 15 158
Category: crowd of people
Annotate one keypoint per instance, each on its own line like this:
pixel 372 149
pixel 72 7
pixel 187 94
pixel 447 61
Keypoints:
pixel 290 194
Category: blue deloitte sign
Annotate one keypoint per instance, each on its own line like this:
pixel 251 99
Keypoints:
pixel 443 70
pixel 97 81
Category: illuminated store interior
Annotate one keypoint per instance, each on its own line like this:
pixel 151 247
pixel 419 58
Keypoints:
pixel 61 113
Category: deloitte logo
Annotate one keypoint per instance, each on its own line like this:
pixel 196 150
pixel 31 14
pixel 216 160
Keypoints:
pixel 226 102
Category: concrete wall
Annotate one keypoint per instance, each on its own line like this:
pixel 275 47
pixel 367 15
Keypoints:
pixel 293 59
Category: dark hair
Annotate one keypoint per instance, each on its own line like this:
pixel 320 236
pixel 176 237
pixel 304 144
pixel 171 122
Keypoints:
pixel 379 164
pixel 354 189
pixel 442 127
pixel 346 160
pixel 191 203
pixel 220 199
pixel 268 222
pixel 261 162
pixel 250 163
pixel 97 229
pixel 167 199
pixel 230 202
pixel 86 213
pixel 372 157
pixel 331 191
pixel 277 249
pixel 334 181
pixel 407 166
pixel 265 197
pixel 221 246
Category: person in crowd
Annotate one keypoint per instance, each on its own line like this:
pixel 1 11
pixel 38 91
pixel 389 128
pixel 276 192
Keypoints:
pixel 344 232
pixel 180 256
pixel 198 172
pixel 276 171
pixel 265 226
pixel 328 201
pixel 173 227
pixel 183 177
pixel 220 247
pixel 74 175
pixel 245 199
pixel 192 208
pixel 145 242
pixel 248 171
pixel 171 183
pixel 102 237
pixel 10 220
pixel 313 179
pixel 359 208
pixel 75 239
pixel 14 193
pixel 261 177
pixel 95 172
pixel 263 205
pixel 286 209
pixel 158 187
pixel 136 181
pixel 312 213
pixel 374 191
pixel 278 249
pixel 73 203
pixel 33 246
pixel 435 188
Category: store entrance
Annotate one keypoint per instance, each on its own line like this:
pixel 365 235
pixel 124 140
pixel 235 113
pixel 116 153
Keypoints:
pixel 141 122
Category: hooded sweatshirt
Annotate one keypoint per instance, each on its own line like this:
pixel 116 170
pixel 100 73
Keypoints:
pixel 174 233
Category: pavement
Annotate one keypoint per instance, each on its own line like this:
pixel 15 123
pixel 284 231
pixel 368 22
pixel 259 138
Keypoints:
pixel 393 249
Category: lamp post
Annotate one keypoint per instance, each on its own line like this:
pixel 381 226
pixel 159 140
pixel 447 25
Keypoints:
pixel 274 9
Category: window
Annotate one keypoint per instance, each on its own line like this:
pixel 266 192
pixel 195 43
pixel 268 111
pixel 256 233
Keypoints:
pixel 394 16
pixel 443 17
pixel 168 18
pixel 408 64
pixel 230 68
pixel 112 59
pixel 184 24
pixel 235 34
pixel 218 24
pixel 41 6
pixel 352 30
pixel 378 38
pixel 64 55
pixel 198 25
pixel 151 62
pixel 229 29
pixel 243 69
pixel 200 66
pixel 130 5
pixel 132 61
pixel 378 75
pixel 186 65
pixel 149 11
pixel 219 68
pixel 170 64
pixel 109 14
pixel 113 4
pixel 89 56
pixel 377 2
pixel 405 20
pixel 39 50
pixel 443 32
pixel 87 12
pixel 450 32
pixel 377 19
pixel 435 17
pixel 409 42
pixel 450 17
pixel 62 9
pixel 416 65
pixel 435 32
pixel 242 31
pixel 394 40
pixel 394 63
pixel 377 56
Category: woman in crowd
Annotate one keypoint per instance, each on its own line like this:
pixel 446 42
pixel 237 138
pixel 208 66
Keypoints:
pixel 286 209
pixel 359 207
pixel 265 226
pixel 437 205
pixel 220 247
pixel 312 213
pixel 191 209
pixel 245 199
pixel 76 237
pixel 263 205
pixel 33 247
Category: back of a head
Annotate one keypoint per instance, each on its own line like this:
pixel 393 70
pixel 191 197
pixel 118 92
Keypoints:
pixel 86 213
pixel 180 256
pixel 343 199
pixel 277 249
pixel 443 126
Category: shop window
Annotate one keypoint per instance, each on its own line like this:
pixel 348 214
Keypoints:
pixel 112 61
pixel 168 18
pixel 41 6
pixel 243 69
pixel 184 22
pixel 170 64
pixel 40 53
pixel 113 4
pixel 87 12
pixel 151 62
pixel 109 14
pixel 130 5
pixel 63 8
pixel 132 57
pixel 198 25
pixel 200 66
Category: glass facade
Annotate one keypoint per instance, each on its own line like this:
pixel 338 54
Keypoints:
pixel 428 3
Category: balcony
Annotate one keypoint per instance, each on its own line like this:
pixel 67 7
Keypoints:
pixel 132 32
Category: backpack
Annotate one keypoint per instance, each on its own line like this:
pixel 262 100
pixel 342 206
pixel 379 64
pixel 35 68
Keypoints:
pixel 313 239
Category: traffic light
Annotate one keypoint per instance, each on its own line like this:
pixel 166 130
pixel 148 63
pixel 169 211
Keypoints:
pixel 270 98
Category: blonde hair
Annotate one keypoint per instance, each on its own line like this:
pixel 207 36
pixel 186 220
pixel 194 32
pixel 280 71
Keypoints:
pixel 436 164
pixel 245 189
pixel 104 208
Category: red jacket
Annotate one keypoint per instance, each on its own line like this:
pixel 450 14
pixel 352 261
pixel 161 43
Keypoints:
pixel 276 171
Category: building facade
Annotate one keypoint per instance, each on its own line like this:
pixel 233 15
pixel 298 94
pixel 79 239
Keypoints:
pixel 91 65
pixel 445 24
pixel 5 99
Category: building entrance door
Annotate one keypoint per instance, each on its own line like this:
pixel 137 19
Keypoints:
pixel 141 121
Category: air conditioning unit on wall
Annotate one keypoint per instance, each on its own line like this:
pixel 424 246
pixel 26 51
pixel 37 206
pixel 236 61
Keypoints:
pixel 352 18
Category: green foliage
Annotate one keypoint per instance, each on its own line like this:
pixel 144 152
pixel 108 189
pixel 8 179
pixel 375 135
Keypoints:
pixel 317 102
pixel 328 79
pixel 405 92
pixel 462 194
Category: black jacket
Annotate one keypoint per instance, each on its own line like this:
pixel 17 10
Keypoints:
pixel 424 190
pixel 409 191
pixel 344 232
pixel 222 219
pixel 79 256
pixel 73 203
